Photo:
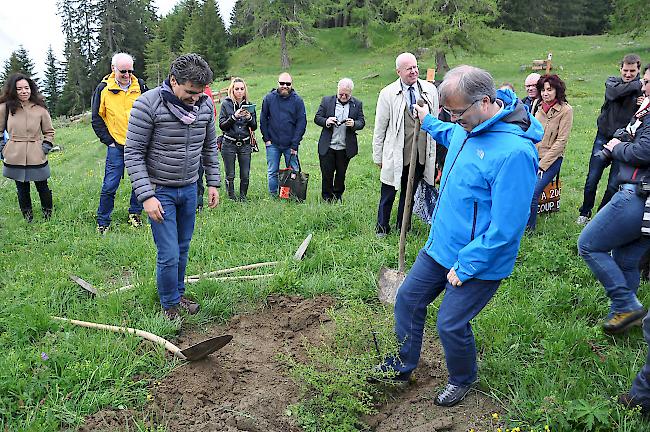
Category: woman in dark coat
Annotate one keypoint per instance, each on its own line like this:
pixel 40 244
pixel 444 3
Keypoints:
pixel 24 116
pixel 237 120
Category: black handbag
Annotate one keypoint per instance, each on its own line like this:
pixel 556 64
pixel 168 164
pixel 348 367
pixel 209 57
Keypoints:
pixel 293 184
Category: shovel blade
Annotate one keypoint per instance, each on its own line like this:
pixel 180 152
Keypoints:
pixel 83 284
pixel 389 282
pixel 300 253
pixel 205 348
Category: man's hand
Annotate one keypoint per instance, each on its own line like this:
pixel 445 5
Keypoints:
pixel 213 197
pixel 268 143
pixel 331 121
pixel 421 110
pixel 639 100
pixel 154 209
pixel 453 279
pixel 612 143
pixel 294 152
pixel 349 122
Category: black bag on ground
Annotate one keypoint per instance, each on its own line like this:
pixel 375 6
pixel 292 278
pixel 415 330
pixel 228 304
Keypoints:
pixel 292 184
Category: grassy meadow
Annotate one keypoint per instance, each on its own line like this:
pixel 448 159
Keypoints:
pixel 542 353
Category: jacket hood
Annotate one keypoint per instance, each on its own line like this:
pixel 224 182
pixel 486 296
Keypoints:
pixel 513 118
pixel 112 84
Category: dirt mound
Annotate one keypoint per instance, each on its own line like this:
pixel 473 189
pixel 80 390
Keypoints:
pixel 244 387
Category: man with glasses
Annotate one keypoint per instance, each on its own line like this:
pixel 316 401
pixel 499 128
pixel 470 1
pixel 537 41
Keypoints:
pixel 532 99
pixel 111 105
pixel 622 98
pixel 283 122
pixel 476 226
pixel 395 126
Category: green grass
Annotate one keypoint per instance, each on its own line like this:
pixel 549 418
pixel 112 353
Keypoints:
pixel 542 352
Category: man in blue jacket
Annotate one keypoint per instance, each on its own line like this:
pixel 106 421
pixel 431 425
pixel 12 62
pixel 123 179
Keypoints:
pixel 283 122
pixel 476 227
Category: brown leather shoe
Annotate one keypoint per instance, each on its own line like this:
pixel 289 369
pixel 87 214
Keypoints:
pixel 189 306
pixel 622 321
pixel 172 313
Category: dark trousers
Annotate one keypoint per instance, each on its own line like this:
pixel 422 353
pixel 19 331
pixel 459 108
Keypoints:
pixel 231 152
pixel 596 167
pixel 388 196
pixel 333 166
pixel 25 199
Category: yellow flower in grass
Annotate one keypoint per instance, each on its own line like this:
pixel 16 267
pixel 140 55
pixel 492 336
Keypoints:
pixel 495 416
pixel 547 429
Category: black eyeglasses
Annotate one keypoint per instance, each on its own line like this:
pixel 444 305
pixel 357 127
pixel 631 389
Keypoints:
pixel 459 114
pixel 284 83
pixel 123 71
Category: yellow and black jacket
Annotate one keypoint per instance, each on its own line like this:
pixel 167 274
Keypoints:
pixel 111 108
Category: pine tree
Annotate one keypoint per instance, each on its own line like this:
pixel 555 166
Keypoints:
pixel 242 22
pixel 52 86
pixel 74 97
pixel 158 57
pixel 631 15
pixel 18 61
pixel 206 36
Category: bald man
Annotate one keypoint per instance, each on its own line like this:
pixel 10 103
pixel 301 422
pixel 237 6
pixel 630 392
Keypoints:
pixel 532 98
pixel 283 122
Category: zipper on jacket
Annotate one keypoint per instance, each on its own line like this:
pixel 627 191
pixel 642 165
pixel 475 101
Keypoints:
pixel 474 220
pixel 433 218
pixel 186 162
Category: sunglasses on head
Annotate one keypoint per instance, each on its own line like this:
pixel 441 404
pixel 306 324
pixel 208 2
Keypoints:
pixel 123 71
pixel 284 83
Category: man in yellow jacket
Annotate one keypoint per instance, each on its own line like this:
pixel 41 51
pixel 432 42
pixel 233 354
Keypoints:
pixel 111 106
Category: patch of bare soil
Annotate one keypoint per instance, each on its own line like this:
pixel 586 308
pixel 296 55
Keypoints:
pixel 244 387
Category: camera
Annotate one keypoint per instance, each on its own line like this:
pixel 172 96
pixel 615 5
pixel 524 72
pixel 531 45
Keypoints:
pixel 620 134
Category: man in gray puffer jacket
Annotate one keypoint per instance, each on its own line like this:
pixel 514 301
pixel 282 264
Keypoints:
pixel 171 128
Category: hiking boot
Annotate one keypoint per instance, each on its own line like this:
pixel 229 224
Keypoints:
pixel 102 229
pixel 622 321
pixel 582 220
pixel 189 306
pixel 172 313
pixel 28 215
pixel 630 402
pixel 134 220
pixel 451 395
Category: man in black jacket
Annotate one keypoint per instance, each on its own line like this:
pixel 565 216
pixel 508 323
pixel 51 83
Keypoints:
pixel 622 98
pixel 340 116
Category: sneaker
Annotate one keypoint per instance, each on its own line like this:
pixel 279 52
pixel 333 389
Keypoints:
pixel 172 313
pixel 622 321
pixel 102 229
pixel 134 220
pixel 630 402
pixel 381 235
pixel 199 208
pixel 582 220
pixel 47 213
pixel 451 395
pixel 56 148
pixel 28 215
pixel 189 306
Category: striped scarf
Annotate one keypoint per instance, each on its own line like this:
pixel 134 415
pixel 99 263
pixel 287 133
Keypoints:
pixel 185 113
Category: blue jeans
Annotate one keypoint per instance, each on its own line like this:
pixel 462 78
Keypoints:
pixel 641 384
pixel 273 154
pixel 426 280
pixel 596 167
pixel 617 229
pixel 545 179
pixel 112 176
pixel 172 237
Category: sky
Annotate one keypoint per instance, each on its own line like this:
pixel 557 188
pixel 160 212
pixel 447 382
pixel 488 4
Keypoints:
pixel 36 25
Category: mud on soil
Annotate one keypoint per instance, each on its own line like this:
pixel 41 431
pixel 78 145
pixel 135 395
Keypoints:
pixel 244 387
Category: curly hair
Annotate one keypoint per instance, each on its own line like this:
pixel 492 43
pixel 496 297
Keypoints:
pixel 10 95
pixel 555 82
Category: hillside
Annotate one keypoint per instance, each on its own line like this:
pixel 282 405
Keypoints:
pixel 543 357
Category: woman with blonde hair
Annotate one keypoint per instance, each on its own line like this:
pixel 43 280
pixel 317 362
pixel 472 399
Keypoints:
pixel 24 115
pixel 237 120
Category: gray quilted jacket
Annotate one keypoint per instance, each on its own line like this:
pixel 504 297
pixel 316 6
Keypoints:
pixel 161 150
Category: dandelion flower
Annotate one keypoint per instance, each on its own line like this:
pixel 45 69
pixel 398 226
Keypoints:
pixel 495 416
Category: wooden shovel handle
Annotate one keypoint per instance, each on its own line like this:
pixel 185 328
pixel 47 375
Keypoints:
pixel 143 334
pixel 234 269
pixel 194 279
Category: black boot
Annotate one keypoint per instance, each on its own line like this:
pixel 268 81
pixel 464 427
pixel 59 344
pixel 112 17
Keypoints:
pixel 230 187
pixel 47 213
pixel 243 189
pixel 28 215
